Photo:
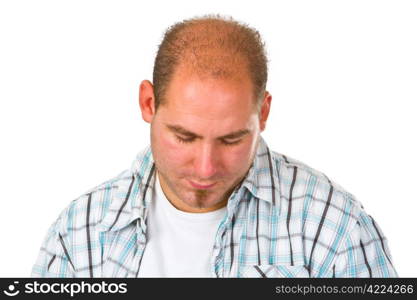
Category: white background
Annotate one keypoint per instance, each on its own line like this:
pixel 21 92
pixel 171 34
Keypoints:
pixel 343 76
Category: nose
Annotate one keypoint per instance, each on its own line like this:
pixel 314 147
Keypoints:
pixel 206 162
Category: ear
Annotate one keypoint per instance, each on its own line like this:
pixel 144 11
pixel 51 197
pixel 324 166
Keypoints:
pixel 264 113
pixel 147 100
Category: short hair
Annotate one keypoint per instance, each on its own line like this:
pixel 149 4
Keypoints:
pixel 211 45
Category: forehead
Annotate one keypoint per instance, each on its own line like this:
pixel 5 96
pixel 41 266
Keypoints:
pixel 209 97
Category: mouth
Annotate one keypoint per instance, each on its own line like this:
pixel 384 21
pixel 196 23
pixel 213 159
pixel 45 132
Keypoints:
pixel 201 186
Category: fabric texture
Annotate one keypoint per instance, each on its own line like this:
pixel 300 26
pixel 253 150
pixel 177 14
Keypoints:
pixel 285 219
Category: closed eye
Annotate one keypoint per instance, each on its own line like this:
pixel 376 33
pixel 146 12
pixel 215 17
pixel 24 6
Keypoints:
pixel 191 139
pixel 227 143
pixel 185 140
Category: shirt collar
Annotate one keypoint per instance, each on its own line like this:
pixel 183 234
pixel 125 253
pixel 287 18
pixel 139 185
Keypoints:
pixel 133 195
pixel 135 190
pixel 262 179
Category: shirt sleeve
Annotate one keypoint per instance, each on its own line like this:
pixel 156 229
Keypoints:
pixel 365 252
pixel 54 257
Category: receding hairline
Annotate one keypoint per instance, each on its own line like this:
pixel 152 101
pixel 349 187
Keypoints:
pixel 211 46
pixel 185 72
pixel 206 44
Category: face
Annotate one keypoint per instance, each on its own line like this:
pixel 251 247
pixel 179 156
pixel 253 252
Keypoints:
pixel 203 138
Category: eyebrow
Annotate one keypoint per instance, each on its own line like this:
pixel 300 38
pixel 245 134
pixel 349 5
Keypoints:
pixel 232 135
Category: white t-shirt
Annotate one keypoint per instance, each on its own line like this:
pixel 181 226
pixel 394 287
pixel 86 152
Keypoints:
pixel 179 244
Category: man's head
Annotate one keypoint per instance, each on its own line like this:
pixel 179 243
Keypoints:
pixel 214 47
pixel 206 108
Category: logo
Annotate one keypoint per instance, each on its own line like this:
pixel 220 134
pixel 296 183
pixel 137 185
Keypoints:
pixel 71 289
pixel 12 290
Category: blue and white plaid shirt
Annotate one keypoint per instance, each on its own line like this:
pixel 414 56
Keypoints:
pixel 285 219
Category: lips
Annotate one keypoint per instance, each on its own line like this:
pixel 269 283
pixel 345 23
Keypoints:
pixel 201 186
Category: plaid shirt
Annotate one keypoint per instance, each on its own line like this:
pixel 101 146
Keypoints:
pixel 284 219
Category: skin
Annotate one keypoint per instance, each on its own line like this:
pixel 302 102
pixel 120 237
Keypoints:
pixel 206 132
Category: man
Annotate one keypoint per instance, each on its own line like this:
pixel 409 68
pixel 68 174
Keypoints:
pixel 208 198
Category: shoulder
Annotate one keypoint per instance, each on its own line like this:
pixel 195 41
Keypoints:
pixel 287 164
pixel 318 197
pixel 89 208
pixel 93 205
